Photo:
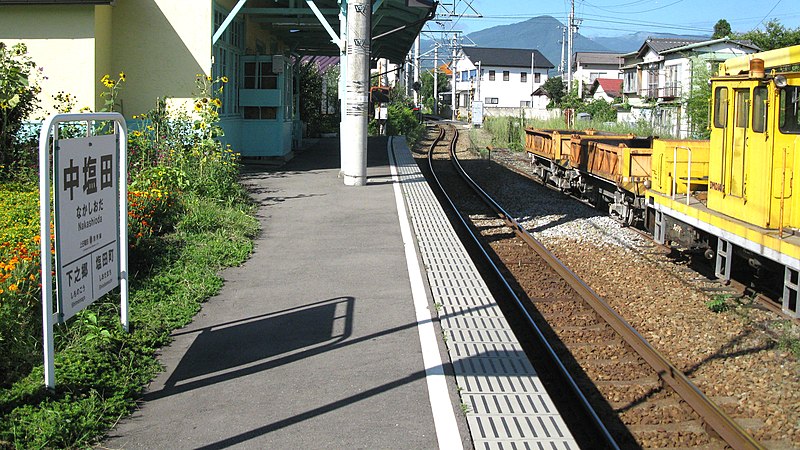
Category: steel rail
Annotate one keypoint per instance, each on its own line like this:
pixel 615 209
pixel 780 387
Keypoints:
pixel 552 353
pixel 722 424
pixel 762 298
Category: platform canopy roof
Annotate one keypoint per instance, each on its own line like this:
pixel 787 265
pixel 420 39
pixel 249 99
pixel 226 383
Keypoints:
pixel 395 24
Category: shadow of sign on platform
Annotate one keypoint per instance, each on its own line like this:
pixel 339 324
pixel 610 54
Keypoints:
pixel 234 349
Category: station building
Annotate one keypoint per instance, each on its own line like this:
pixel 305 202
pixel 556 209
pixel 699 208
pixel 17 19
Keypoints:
pixel 163 45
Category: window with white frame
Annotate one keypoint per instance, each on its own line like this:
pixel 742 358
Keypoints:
pixel 523 77
pixel 671 81
pixel 505 75
pixel 491 75
pixel 537 78
pixel 227 61
pixel 524 104
pixel 259 75
pixel 629 81
pixel 652 81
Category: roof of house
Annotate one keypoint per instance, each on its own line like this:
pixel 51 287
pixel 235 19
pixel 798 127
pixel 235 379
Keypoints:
pixel 739 42
pixel 507 57
pixel 611 86
pixel 660 45
pixel 540 92
pixel 597 58
pixel 670 45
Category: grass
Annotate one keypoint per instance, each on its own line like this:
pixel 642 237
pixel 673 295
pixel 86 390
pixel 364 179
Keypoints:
pixel 507 132
pixel 100 369
pixel 640 128
pixel 719 303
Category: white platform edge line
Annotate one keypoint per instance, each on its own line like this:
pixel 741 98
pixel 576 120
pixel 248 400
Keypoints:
pixel 444 418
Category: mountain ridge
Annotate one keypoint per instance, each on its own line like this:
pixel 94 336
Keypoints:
pixel 544 33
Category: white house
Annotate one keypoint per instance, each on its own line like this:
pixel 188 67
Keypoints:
pixel 508 77
pixel 589 66
pixel 657 78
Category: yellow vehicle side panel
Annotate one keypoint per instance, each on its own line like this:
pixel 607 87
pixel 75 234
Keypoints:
pixel 740 183
pixel 762 238
pixel 664 164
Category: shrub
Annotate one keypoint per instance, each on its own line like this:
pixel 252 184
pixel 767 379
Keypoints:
pixel 506 131
pixel 17 101
pixel 158 135
pixel 175 161
pixel 20 316
pixel 402 121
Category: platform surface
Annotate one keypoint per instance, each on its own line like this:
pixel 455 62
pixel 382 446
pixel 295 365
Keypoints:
pixel 321 339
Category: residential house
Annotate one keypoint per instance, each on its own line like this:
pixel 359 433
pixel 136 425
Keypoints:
pixel 163 45
pixel 589 66
pixel 608 89
pixel 657 78
pixel 508 77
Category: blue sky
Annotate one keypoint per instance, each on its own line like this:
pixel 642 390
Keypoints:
pixel 616 17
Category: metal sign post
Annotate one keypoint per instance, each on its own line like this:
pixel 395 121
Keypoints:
pixel 91 222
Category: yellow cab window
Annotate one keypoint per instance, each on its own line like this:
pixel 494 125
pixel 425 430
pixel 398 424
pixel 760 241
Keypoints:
pixel 789 110
pixel 721 107
pixel 742 103
pixel 759 109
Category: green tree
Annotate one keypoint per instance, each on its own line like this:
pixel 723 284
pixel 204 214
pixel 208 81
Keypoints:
pixel 426 92
pixel 17 101
pixel 721 29
pixel 774 35
pixel 310 96
pixel 555 89
pixel 696 100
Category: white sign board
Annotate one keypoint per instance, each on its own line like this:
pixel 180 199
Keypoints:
pixel 86 222
pixel 477 113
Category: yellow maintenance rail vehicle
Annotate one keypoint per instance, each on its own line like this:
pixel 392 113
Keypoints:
pixel 749 213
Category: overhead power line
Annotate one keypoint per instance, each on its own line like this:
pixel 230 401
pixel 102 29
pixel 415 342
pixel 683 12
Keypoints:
pixel 765 17
pixel 604 19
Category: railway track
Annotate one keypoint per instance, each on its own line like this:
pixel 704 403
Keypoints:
pixel 629 384
pixel 700 276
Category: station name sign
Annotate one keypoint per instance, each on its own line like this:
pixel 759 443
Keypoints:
pixel 86 221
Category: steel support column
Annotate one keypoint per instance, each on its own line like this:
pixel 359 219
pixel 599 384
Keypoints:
pixel 354 124
pixel 416 70
pixel 436 81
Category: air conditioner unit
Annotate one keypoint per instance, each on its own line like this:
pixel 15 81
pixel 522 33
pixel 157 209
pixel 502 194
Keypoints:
pixel 277 64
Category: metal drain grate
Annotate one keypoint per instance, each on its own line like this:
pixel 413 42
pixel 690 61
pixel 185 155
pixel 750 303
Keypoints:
pixel 507 406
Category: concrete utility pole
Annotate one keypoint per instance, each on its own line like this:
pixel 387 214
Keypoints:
pixel 569 47
pixel 453 74
pixel 354 151
pixel 478 84
pixel 533 75
pixel 563 42
pixel 342 84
